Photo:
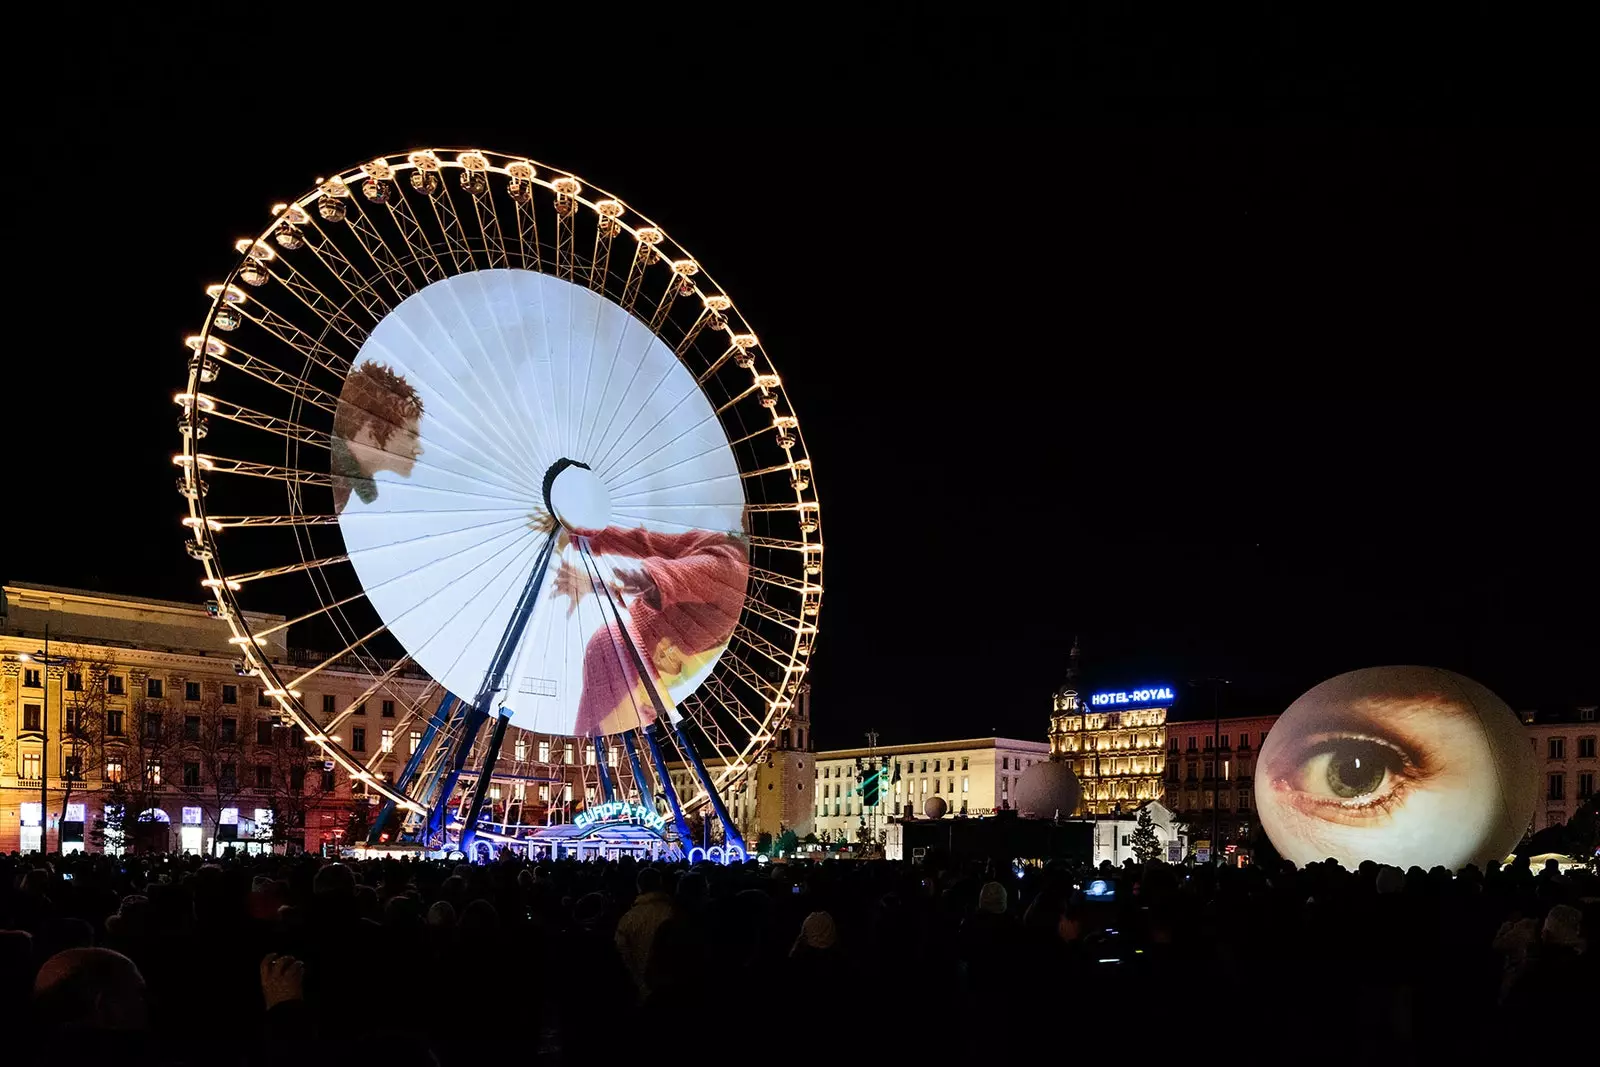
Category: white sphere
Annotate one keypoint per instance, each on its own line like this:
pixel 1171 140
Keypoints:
pixel 1048 790
pixel 935 807
pixel 1409 766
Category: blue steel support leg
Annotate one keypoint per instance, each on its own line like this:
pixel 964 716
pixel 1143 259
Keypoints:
pixel 730 834
pixel 664 781
pixel 472 722
pixel 607 793
pixel 469 826
pixel 641 784
pixel 412 765
pixel 493 682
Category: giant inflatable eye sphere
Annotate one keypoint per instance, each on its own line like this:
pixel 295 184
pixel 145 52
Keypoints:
pixel 1409 766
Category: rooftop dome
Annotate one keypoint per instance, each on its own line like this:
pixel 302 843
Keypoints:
pixel 1048 790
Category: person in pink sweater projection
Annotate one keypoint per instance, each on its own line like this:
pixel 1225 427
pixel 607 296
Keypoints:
pixel 682 601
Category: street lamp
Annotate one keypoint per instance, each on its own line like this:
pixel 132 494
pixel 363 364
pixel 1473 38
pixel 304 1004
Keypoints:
pixel 45 659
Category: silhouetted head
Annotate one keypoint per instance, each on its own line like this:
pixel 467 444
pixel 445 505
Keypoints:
pixel 89 988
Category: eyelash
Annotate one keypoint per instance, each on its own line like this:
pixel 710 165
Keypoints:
pixel 1405 778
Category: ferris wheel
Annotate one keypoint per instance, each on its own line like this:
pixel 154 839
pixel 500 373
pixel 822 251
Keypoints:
pixel 515 438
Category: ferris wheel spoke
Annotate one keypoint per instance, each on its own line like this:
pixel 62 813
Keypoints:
pixel 455 241
pixel 481 412
pixel 412 234
pixel 285 331
pixel 367 234
pixel 331 315
pixel 351 278
pixel 250 469
pixel 222 409
pixel 275 376
pixel 781 658
pixel 532 435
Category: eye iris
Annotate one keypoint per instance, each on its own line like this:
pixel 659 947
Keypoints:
pixel 1355 770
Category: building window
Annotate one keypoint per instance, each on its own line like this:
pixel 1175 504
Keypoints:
pixel 262 700
pixel 386 708
pixel 936 787
pixel 263 731
pixel 360 709
pixel 297 777
pixel 191 727
pixel 521 749
pixel 1005 763
pixel 965 783
pixel 924 766
pixel 114 685
pixel 1244 742
pixel 358 739
pixel 114 722
pixel 1558 787
pixel 113 770
pixel 30 678
pixel 263 776
pixel 191 774
pixel 152 688
pixel 1244 800
pixel 72 766
pixel 327 703
pixel 950 785
pixel 152 771
pixel 230 731
pixel 74 681
pixel 386 740
pixel 1191 744
pixel 152 725
pixel 1557 747
pixel 230 694
pixel 1210 742
pixel 1586 748
pixel 1223 741
pixel 32 717
pixel 230 776
pixel 566 754
pixel 1210 769
pixel 544 752
pixel 328 782
pixel 30 766
pixel 191 690
pixel 416 742
pixel 964 762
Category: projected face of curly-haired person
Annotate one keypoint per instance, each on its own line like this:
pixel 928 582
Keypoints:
pixel 375 429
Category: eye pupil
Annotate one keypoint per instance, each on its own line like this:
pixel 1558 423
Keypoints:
pixel 1351 775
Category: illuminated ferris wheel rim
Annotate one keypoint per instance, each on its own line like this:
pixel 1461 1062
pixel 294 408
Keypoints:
pixel 608 210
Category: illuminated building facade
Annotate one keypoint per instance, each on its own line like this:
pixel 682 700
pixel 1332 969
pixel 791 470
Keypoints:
pixel 1564 747
pixel 1211 763
pixel 139 709
pixel 1116 741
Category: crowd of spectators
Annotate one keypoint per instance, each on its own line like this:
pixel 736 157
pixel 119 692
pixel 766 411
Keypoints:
pixel 273 959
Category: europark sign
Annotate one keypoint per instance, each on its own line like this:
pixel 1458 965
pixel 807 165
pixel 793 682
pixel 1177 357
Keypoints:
pixel 614 812
pixel 619 811
pixel 1155 696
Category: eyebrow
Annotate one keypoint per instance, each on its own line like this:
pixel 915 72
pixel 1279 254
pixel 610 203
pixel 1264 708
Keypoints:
pixel 1410 705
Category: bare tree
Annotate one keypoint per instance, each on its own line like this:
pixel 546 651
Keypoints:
pixel 210 741
pixel 83 728
pixel 137 763
pixel 288 793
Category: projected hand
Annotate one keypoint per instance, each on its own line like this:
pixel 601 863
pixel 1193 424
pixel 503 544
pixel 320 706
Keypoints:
pixel 631 583
pixel 541 521
pixel 572 582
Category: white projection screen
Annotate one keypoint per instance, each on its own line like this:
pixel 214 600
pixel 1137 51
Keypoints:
pixel 1408 766
pixel 460 406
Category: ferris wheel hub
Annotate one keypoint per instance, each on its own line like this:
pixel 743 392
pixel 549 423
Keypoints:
pixel 578 498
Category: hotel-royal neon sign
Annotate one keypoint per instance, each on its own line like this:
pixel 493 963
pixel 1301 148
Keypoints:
pixel 619 811
pixel 1156 696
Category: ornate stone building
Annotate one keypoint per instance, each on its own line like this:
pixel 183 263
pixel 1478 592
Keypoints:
pixel 1119 755
pixel 133 729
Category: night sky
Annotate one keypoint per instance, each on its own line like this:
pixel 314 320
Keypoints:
pixel 1197 352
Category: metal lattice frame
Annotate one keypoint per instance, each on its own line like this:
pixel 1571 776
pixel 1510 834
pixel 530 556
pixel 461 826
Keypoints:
pixel 283 329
